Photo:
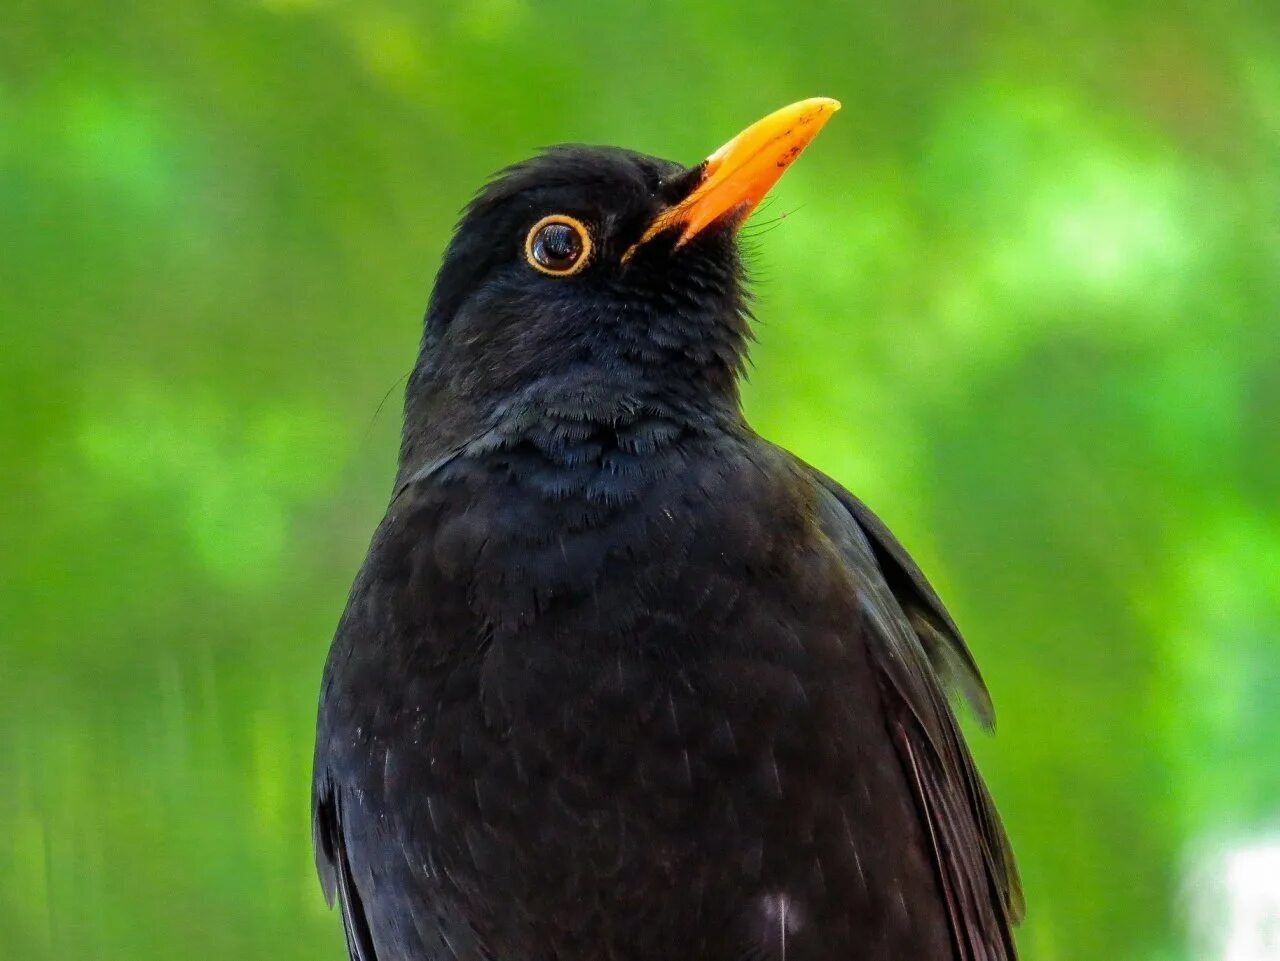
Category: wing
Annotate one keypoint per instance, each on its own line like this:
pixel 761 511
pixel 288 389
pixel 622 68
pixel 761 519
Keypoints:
pixel 919 653
pixel 366 799
pixel 937 633
pixel 334 868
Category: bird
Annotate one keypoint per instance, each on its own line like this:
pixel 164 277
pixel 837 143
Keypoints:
pixel 619 679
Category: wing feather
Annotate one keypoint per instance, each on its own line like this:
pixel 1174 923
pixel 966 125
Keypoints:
pixel 336 877
pixel 937 632
pixel 919 654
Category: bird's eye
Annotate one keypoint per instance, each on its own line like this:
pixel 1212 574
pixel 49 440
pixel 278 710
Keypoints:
pixel 558 245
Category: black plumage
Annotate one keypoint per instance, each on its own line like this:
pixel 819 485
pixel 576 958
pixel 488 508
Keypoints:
pixel 618 678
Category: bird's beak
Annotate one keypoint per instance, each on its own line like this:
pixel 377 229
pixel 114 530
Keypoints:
pixel 737 176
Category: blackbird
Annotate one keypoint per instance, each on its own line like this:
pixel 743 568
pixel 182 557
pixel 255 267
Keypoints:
pixel 620 680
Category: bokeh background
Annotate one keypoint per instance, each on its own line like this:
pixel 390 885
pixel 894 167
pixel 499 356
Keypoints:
pixel 1023 295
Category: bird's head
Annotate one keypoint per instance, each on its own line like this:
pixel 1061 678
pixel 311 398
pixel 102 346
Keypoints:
pixel 601 281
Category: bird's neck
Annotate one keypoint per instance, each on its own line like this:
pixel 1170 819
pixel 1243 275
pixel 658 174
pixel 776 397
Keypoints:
pixel 571 420
pixel 534 512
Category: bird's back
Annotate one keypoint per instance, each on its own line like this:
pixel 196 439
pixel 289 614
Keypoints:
pixel 624 697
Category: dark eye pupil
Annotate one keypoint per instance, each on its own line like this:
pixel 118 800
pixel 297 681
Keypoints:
pixel 557 246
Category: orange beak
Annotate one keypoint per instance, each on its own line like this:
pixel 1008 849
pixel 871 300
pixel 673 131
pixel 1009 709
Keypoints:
pixel 737 176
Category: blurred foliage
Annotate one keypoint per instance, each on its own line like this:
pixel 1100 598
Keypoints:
pixel 1025 300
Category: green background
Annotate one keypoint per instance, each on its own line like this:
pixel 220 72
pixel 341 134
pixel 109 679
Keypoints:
pixel 1025 300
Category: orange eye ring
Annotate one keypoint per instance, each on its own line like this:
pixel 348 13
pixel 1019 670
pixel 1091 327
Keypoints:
pixel 558 245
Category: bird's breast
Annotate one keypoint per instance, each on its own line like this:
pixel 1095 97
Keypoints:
pixel 616 676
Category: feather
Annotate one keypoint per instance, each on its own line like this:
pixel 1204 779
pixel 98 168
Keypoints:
pixel 918 651
pixel 937 633
pixel 335 873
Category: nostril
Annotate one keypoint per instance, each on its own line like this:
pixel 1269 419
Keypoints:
pixel 675 188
